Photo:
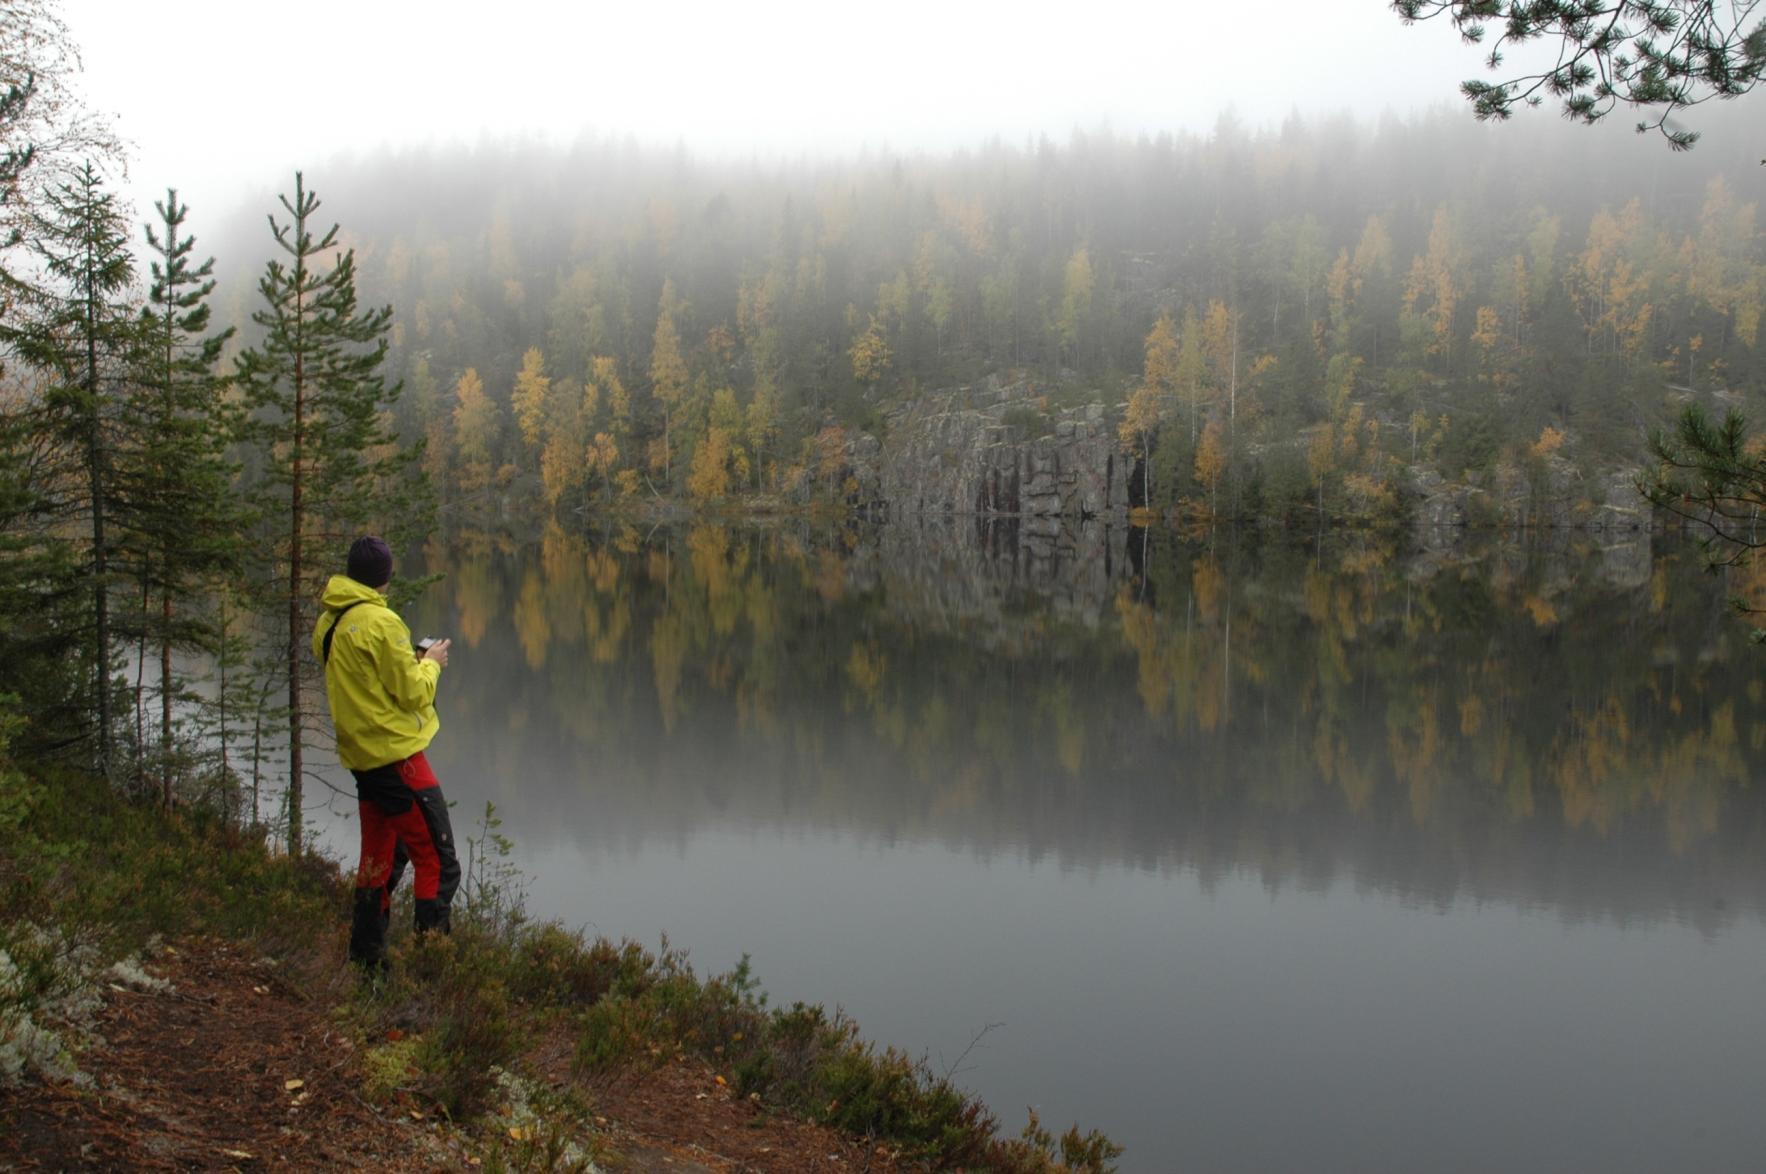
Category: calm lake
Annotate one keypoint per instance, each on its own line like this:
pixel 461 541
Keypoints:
pixel 1255 854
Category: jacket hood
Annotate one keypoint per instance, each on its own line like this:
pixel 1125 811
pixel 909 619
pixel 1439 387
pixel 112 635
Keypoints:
pixel 342 591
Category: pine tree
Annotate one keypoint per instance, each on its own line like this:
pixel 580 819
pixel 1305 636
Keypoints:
pixel 316 392
pixel 77 329
pixel 184 523
pixel 668 370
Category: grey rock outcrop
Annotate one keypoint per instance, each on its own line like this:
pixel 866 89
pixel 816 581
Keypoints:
pixel 1553 496
pixel 994 450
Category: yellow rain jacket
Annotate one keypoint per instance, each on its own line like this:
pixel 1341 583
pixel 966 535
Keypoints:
pixel 382 697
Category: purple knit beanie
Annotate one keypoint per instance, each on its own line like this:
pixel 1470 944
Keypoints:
pixel 370 562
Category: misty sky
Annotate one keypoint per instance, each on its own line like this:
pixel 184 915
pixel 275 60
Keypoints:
pixel 259 89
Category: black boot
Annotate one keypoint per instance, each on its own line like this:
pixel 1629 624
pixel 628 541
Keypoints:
pixel 368 919
pixel 433 915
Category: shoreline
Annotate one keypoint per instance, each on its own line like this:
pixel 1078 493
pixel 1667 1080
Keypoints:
pixel 511 1043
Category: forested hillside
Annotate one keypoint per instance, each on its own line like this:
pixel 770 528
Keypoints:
pixel 1284 320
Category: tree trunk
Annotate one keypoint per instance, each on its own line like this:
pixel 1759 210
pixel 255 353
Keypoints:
pixel 95 486
pixel 165 694
pixel 141 687
pixel 295 522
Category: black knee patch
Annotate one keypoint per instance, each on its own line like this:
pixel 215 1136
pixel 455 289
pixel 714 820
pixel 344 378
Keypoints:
pixel 368 919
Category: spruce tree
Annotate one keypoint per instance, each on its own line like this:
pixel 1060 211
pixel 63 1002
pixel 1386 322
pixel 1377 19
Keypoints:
pixel 331 466
pixel 44 605
pixel 76 329
pixel 183 524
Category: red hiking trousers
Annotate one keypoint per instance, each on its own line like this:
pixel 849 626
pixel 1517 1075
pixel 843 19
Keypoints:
pixel 404 816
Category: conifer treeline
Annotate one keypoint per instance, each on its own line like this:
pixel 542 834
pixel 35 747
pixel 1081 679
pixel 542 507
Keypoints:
pixel 1306 312
pixel 162 508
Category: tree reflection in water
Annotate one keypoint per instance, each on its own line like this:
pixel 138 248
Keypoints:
pixel 1570 723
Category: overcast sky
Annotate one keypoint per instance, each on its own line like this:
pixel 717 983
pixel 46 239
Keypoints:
pixel 224 96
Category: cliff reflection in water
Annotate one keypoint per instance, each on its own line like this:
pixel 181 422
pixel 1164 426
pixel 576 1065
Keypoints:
pixel 1566 726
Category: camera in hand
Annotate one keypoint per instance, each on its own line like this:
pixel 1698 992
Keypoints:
pixel 425 644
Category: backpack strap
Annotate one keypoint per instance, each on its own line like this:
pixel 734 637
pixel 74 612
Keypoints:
pixel 325 646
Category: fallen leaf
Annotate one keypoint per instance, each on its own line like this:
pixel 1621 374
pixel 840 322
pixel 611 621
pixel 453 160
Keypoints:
pixel 240 1154
pixel 291 1085
pixel 517 1133
pixel 721 1081
pixel 394 1034
pixel 260 990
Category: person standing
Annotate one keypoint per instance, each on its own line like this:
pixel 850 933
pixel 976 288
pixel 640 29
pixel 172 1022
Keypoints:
pixel 382 697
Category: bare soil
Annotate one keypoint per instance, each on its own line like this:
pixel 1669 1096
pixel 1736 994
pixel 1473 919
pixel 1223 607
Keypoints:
pixel 237 1069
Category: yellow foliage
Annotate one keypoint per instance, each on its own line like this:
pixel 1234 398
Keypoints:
pixel 1550 440
pixel 870 354
pixel 561 468
pixel 865 668
pixel 1369 496
pixel 1471 715
pixel 1543 611
pixel 477 421
pixel 1140 419
pixel 1211 457
pixel 603 454
pixel 531 626
pixel 529 397
pixel 712 463
pixel 1488 331
pixel 1209 584
pixel 1160 370
pixel 668 370
pixel 830 576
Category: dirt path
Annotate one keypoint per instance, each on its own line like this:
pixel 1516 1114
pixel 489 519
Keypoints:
pixel 234 1069
pixel 199 1078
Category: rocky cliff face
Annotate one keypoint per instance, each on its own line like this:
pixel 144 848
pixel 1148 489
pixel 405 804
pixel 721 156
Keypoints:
pixel 998 449
pixel 1554 496
pixel 993 449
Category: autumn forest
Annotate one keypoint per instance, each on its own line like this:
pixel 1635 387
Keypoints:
pixel 1234 635
pixel 1282 322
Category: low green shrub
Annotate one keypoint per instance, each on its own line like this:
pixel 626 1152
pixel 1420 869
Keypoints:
pixel 452 991
pixel 803 1061
pixel 1082 1153
pixel 554 966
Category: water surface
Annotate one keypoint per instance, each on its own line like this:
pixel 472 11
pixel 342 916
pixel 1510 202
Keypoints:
pixel 1256 855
